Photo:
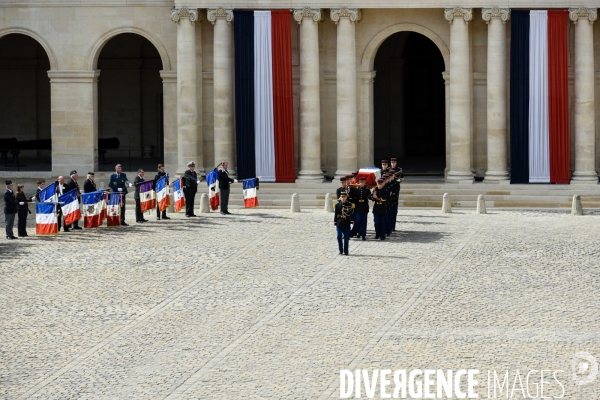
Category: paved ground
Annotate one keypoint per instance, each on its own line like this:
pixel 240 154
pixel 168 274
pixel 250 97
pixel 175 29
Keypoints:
pixel 260 305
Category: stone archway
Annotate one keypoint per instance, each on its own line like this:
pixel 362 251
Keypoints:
pixel 368 76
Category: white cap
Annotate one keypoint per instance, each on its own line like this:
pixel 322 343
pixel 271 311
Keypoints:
pixel 191 163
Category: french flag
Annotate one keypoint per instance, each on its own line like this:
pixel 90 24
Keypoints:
pixel 539 97
pixel 212 180
pixel 70 207
pixel 250 186
pixel 113 210
pixel 162 193
pixel 46 222
pixel 147 195
pixel 178 195
pixel 263 95
pixel 92 208
pixel 48 194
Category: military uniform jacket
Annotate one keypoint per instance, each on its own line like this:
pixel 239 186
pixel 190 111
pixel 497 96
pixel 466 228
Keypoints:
pixel 344 215
pixel 361 199
pixel 379 207
pixel 118 181
pixel 339 191
pixel 89 186
pixel 190 181
pixel 10 203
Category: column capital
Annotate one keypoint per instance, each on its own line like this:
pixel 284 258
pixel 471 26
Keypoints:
pixel 354 14
pixel 582 12
pixel 495 12
pixel 306 13
pixel 219 13
pixel 458 12
pixel 184 12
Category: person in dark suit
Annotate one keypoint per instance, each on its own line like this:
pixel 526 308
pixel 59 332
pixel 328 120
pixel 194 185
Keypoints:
pixel 161 172
pixel 190 188
pixel 343 219
pixel 89 185
pixel 41 185
pixel 72 184
pixel 379 209
pixel 118 183
pixel 224 185
pixel 10 209
pixel 139 216
pixel 23 210
pixel 61 189
pixel 361 210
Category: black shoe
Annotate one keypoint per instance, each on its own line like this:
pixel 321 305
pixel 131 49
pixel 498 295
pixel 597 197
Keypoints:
pixel 383 238
pixel 11 237
pixel 124 224
pixel 193 215
pixel 25 235
pixel 345 254
pixel 341 252
pixel 66 230
pixel 165 217
pixel 227 212
pixel 158 218
pixel 364 238
pixel 77 227
pixel 376 237
pixel 144 220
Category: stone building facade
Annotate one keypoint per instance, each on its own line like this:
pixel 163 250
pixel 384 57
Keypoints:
pixel 440 93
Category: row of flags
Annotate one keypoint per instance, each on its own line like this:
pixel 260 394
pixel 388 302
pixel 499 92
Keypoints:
pixel 101 205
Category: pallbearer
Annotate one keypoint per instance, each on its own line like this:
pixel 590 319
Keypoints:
pixel 361 209
pixel 343 219
pixel 342 188
pixel 384 167
pixel 379 209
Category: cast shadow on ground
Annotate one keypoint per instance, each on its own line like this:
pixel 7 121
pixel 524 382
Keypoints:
pixel 402 236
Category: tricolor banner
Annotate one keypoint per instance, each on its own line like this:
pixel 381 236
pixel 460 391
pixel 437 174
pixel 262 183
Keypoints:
pixel 48 194
pixel 113 210
pixel 539 97
pixel 70 207
pixel 212 180
pixel 263 95
pixel 178 195
pixel 45 219
pixel 92 208
pixel 162 193
pixel 249 186
pixel 147 195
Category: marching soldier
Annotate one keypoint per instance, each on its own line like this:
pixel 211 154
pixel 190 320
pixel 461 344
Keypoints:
pixel 379 209
pixel 384 167
pixel 343 219
pixel 89 185
pixel 161 172
pixel 361 209
pixel 119 183
pixel 72 184
pixel 342 188
pixel 190 188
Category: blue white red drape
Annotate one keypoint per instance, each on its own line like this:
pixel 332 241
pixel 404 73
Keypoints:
pixel 263 95
pixel 539 126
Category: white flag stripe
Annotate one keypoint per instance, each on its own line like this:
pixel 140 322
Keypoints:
pixel 45 219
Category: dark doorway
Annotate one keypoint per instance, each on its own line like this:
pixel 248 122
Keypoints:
pixel 409 96
pixel 130 105
pixel 25 139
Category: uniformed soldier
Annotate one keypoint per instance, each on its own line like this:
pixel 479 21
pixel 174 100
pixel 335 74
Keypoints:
pixel 361 209
pixel 384 167
pixel 343 219
pixel 72 184
pixel 119 183
pixel 190 188
pixel 89 185
pixel 161 172
pixel 392 200
pixel 379 209
pixel 342 188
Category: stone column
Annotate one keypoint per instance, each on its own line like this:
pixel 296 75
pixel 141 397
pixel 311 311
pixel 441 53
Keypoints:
pixel 187 113
pixel 347 139
pixel 460 95
pixel 74 116
pixel 223 86
pixel 310 95
pixel 170 121
pixel 497 152
pixel 584 114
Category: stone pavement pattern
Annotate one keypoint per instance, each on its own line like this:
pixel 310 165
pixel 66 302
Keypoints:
pixel 260 305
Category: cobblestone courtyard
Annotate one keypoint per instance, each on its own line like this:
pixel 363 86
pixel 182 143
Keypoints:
pixel 260 305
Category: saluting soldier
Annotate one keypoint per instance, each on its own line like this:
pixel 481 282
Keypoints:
pixel 72 184
pixel 119 183
pixel 361 209
pixel 379 209
pixel 89 185
pixel 343 219
pixel 159 174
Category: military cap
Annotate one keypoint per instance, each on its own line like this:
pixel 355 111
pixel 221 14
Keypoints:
pixel 380 180
pixel 393 159
pixel 343 194
pixel 191 164
pixel 384 161
pixel 73 172
pixel 342 178
pixel 355 173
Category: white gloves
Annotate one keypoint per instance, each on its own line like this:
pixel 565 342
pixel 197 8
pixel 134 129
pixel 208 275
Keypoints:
pixel 198 181
pixel 130 184
pixel 21 203
pixel 120 189
pixel 235 181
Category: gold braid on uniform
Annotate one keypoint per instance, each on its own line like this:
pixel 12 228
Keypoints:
pixel 346 211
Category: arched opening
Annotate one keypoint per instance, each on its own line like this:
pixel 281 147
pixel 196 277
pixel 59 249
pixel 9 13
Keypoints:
pixel 409 104
pixel 25 138
pixel 130 104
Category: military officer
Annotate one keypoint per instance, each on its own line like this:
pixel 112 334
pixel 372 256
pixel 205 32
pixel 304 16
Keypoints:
pixel 190 188
pixel 361 209
pixel 89 185
pixel 72 184
pixel 343 219
pixel 159 174
pixel 119 183
pixel 379 209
